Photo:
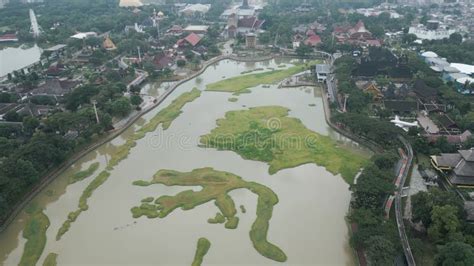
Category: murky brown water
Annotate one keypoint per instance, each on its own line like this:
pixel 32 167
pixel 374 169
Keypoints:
pixel 308 222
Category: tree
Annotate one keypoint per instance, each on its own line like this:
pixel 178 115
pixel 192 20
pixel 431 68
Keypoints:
pixel 455 253
pixel 444 222
pixel 303 50
pixel 422 204
pixel 455 38
pixel 12 116
pixel 30 123
pixel 136 100
pixel 380 251
pixel 120 107
pixel 181 63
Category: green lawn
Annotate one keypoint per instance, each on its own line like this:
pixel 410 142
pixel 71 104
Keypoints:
pixel 267 134
pixel 215 187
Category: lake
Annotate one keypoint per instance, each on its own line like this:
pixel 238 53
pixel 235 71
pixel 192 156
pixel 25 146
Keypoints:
pixel 308 223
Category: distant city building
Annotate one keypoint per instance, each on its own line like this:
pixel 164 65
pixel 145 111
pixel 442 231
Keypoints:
pixel 433 30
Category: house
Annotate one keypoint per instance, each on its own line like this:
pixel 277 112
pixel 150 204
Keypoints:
pixel 163 61
pixel 10 37
pixel 55 69
pixel 297 39
pixel 236 25
pixel 446 124
pixel 371 88
pixel 400 107
pixel 424 92
pixel 175 30
pixel 55 87
pixel 357 35
pixel 192 40
pixel 198 29
pixel 322 72
pixel 459 166
pixel 452 139
pixel 313 40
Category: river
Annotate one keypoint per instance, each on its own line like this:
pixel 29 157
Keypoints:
pixel 308 223
pixel 12 59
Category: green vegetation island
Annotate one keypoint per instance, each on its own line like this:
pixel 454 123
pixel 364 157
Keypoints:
pixel 267 134
pixel 215 186
pixel 203 246
pixel 50 260
pixel 241 84
pixel 35 235
pixel 165 117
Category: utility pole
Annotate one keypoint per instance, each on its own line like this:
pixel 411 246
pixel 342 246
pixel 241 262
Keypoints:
pixel 94 102
pixel 139 55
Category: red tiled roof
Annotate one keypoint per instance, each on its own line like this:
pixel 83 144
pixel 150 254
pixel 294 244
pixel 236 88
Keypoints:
pixel 193 39
pixel 313 40
pixel 8 36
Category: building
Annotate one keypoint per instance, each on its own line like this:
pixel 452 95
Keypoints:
pixel 192 39
pixel 434 30
pixel 195 10
pixel 313 40
pixel 251 40
pixel 458 166
pixel 55 88
pixel 357 35
pixel 10 37
pixel 198 29
pixel 108 44
pixel 322 72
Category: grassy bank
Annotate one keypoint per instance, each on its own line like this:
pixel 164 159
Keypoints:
pixel 241 84
pixel 267 134
pixel 203 246
pixel 35 235
pixel 215 186
pixel 165 117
